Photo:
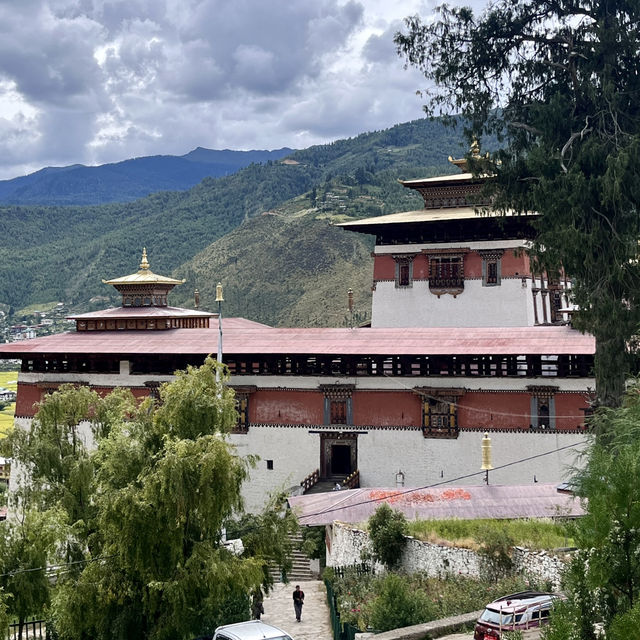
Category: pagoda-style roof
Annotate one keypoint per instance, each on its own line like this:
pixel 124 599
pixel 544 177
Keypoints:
pixel 144 306
pixel 143 276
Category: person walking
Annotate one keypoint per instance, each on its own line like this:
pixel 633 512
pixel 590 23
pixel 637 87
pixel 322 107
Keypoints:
pixel 298 601
pixel 257 606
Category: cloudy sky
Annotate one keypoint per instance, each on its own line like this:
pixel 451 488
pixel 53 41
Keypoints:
pixel 96 81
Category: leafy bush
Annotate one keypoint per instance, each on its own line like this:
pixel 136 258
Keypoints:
pixel 397 605
pixel 387 530
pixel 495 548
pixel 444 596
pixel 626 626
pixel 313 542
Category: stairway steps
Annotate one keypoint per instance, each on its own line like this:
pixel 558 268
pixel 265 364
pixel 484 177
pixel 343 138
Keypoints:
pixel 300 569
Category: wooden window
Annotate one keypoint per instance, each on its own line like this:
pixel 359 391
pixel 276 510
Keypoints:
pixel 242 408
pixel 338 408
pixel 491 267
pixel 338 412
pixel 404 270
pixel 439 417
pixel 446 274
pixel 543 407
pixel 403 278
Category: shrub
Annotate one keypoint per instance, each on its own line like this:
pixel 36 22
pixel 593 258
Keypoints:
pixel 495 548
pixel 397 604
pixel 387 530
pixel 313 543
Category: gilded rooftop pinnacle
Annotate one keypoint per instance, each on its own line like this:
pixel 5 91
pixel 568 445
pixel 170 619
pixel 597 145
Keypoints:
pixel 145 263
pixel 143 276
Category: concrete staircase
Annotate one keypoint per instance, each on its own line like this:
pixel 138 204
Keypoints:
pixel 301 570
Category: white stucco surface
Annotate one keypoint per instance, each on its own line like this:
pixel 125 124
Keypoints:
pixel 507 305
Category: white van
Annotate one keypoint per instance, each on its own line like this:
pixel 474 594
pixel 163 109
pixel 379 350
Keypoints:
pixel 254 630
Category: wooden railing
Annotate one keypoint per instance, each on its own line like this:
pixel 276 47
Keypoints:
pixel 310 480
pixel 352 481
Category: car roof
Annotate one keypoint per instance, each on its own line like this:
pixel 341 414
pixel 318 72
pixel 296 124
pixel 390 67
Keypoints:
pixel 523 599
pixel 253 630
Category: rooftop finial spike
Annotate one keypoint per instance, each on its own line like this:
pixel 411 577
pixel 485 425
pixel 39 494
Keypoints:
pixel 145 263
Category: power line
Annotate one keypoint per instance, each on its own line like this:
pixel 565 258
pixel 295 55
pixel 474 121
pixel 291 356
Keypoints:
pixel 55 567
pixel 466 407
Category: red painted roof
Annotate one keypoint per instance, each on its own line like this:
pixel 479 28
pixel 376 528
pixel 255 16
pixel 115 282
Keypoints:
pixel 242 336
pixel 494 501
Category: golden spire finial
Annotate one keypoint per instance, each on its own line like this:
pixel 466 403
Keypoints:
pixel 145 263
pixel 219 297
pixel 475 148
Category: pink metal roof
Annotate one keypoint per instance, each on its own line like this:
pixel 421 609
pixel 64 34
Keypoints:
pixel 242 336
pixel 494 501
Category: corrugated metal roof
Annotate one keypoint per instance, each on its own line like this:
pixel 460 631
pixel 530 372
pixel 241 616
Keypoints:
pixel 539 500
pixel 242 336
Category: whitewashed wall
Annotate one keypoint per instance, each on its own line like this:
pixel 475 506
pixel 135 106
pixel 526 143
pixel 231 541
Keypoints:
pixel 295 452
pixel 507 305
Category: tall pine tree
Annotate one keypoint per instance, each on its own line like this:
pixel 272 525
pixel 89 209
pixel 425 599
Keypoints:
pixel 558 82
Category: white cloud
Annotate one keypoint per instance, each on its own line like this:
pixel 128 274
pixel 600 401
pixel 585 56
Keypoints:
pixel 97 81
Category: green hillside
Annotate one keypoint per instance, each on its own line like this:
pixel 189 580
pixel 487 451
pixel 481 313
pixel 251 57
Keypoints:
pixel 62 253
pixel 284 269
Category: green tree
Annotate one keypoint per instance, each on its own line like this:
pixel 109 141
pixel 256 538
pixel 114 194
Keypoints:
pixel 388 530
pixel 397 604
pixel 28 544
pixel 145 509
pixel 603 579
pixel 558 82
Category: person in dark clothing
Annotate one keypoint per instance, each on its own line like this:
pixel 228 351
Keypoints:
pixel 298 601
pixel 257 606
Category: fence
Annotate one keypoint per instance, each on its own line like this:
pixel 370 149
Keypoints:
pixel 357 569
pixel 31 630
pixel 340 631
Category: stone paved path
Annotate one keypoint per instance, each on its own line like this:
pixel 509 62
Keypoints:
pixel 315 625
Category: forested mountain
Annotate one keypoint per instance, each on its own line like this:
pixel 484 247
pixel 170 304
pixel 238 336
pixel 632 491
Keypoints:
pixel 128 180
pixel 282 268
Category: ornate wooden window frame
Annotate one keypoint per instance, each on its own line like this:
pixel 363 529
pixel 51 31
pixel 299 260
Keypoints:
pixel 334 393
pixel 431 397
pixel 243 399
pixel 543 396
pixel 451 285
pixel 404 267
pixel 491 257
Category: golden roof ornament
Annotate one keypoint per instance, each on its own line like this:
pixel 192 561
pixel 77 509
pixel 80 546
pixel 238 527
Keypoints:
pixel 144 276
pixel 145 263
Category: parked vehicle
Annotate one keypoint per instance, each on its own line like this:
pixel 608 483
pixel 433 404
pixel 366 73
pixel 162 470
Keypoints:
pixel 253 630
pixel 516 612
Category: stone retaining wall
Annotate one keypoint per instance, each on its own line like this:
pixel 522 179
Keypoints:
pixel 348 546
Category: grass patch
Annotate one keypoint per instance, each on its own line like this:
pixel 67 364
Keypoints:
pixel 533 534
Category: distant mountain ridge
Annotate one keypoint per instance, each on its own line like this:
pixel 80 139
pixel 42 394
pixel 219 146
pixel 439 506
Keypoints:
pixel 265 231
pixel 128 180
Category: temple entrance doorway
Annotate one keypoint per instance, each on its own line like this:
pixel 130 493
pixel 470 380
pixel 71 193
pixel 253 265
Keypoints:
pixel 338 454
